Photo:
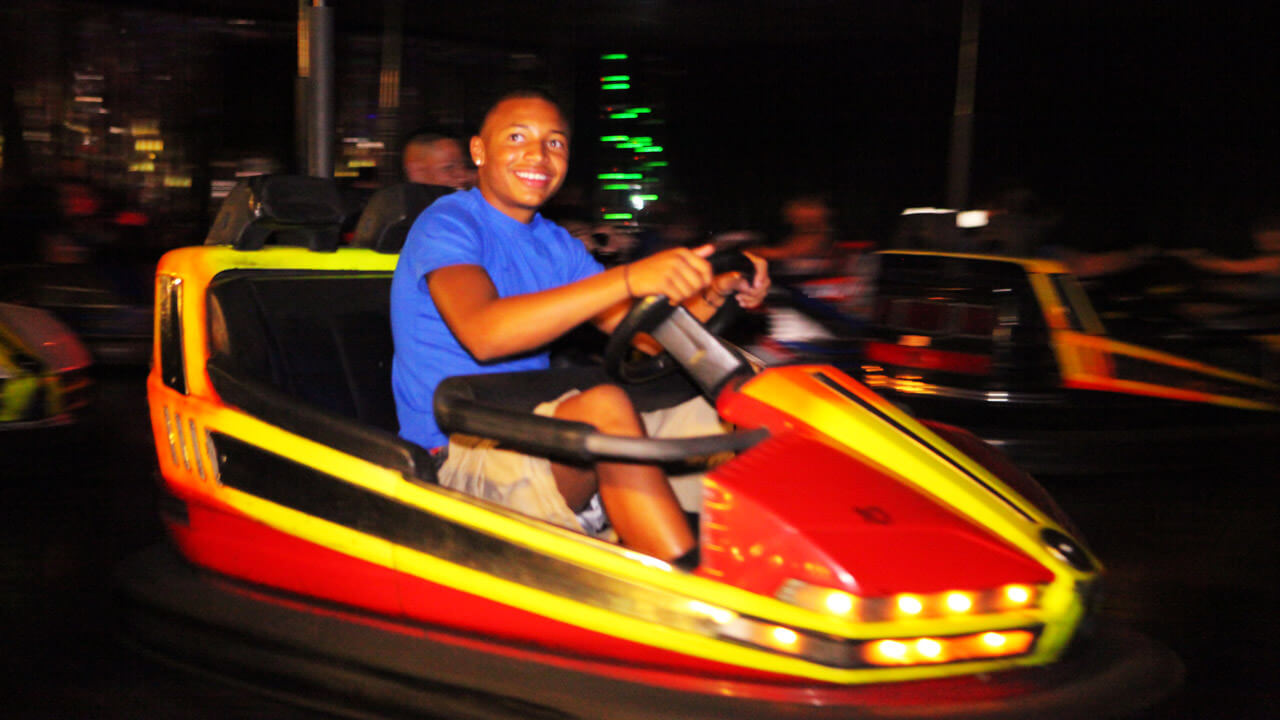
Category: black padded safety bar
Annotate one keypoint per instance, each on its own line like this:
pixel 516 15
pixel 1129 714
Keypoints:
pixel 345 435
pixel 459 410
pixel 665 450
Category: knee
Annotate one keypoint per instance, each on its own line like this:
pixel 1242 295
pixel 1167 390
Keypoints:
pixel 608 408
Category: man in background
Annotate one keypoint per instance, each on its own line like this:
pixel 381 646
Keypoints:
pixel 433 158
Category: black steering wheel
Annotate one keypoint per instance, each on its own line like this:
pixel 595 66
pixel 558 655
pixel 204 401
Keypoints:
pixel 651 312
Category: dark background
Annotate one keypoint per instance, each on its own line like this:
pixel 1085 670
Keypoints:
pixel 1136 122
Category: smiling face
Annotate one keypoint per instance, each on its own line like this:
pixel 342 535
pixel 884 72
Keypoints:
pixel 522 154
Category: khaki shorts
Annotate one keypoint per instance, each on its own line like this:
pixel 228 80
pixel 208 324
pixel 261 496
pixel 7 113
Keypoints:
pixel 524 482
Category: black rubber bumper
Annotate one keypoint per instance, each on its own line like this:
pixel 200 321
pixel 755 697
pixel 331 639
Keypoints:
pixel 358 665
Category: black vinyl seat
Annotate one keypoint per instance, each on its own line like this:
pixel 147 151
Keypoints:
pixel 282 210
pixel 321 337
pixel 310 352
pixel 386 219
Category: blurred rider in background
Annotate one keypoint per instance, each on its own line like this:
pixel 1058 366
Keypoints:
pixel 433 158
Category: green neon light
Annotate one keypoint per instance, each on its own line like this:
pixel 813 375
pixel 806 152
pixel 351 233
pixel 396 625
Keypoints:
pixel 656 163
pixel 619 176
pixel 615 86
pixel 623 116
pixel 617 216
pixel 614 56
pixel 615 78
pixel 628 146
pixel 646 198
pixel 615 186
pixel 642 140
pixel 651 148
pixel 614 138
pixel 640 110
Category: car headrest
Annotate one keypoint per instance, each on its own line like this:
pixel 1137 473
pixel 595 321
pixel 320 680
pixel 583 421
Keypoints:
pixel 386 220
pixel 285 209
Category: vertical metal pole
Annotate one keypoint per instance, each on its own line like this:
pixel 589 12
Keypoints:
pixel 962 119
pixel 302 90
pixel 320 158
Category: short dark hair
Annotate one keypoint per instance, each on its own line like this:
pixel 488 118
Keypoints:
pixel 427 135
pixel 522 93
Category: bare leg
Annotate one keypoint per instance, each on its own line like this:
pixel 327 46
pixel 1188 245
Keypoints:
pixel 637 498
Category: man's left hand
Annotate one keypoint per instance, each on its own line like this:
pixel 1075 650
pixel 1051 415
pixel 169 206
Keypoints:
pixel 749 293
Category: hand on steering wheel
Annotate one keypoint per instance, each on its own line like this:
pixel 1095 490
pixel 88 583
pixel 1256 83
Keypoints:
pixel 677 274
pixel 651 311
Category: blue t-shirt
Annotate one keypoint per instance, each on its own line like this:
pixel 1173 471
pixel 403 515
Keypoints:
pixel 464 229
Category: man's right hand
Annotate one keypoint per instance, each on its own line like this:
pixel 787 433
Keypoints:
pixel 679 274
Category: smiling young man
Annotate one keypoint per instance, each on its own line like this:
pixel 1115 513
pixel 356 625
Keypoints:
pixel 484 283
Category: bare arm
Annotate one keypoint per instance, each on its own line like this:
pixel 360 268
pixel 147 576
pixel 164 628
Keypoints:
pixel 702 305
pixel 491 327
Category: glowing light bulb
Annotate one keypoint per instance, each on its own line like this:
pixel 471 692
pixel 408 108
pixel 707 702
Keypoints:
pixel 928 647
pixel 1017 594
pixel 892 649
pixel 839 603
pixel 959 602
pixel 785 636
pixel 910 605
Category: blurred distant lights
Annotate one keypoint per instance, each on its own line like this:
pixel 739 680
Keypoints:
pixel 972 218
pixel 638 201
pixel 614 56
